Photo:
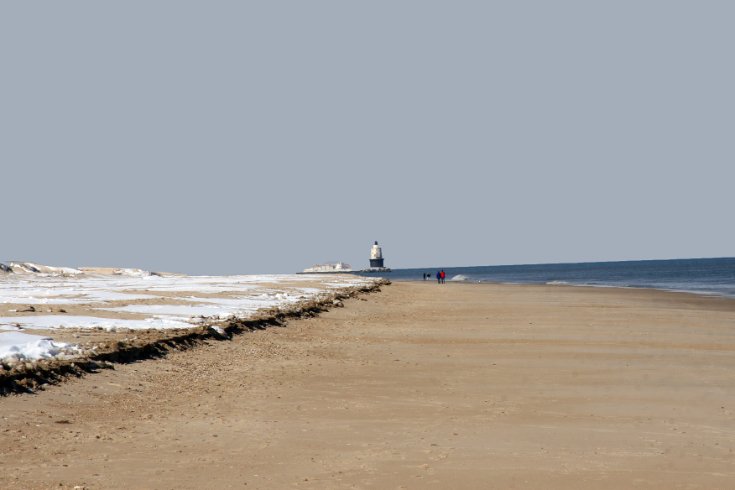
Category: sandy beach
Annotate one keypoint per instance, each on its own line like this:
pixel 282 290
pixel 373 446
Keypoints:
pixel 417 386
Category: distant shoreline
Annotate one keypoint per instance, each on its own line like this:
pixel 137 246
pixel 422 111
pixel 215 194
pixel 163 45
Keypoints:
pixel 600 286
pixel 706 277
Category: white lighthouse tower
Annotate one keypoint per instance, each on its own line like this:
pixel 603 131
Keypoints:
pixel 376 260
pixel 376 256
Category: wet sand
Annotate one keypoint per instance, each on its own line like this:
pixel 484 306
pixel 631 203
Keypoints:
pixel 419 386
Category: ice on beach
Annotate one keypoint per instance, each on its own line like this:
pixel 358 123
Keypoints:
pixel 180 311
pixel 49 322
pixel 102 289
pixel 36 296
pixel 23 346
pixel 162 302
pixel 220 308
pixel 216 308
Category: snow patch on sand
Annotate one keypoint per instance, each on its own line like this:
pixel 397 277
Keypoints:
pixel 171 301
pixel 215 308
pixel 48 322
pixel 25 347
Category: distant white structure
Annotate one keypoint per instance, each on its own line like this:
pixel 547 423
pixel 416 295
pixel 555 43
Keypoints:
pixel 376 264
pixel 326 268
pixel 376 256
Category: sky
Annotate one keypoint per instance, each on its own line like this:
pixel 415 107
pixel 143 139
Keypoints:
pixel 227 137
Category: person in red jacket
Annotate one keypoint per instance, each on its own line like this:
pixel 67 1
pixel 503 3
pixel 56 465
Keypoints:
pixel 442 275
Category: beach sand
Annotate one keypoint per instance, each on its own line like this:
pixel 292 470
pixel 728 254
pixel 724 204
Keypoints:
pixel 418 386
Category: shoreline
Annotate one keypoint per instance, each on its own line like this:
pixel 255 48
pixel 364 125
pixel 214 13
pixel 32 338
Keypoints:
pixel 569 284
pixel 696 275
pixel 419 386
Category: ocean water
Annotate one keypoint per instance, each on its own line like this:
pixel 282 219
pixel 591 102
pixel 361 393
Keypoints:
pixel 702 276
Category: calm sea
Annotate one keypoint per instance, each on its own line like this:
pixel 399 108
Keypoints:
pixel 703 276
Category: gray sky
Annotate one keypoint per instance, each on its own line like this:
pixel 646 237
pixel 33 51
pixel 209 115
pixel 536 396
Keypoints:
pixel 249 137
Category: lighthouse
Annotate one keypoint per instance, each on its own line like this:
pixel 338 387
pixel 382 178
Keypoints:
pixel 376 256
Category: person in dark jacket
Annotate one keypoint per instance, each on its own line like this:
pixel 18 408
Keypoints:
pixel 438 277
